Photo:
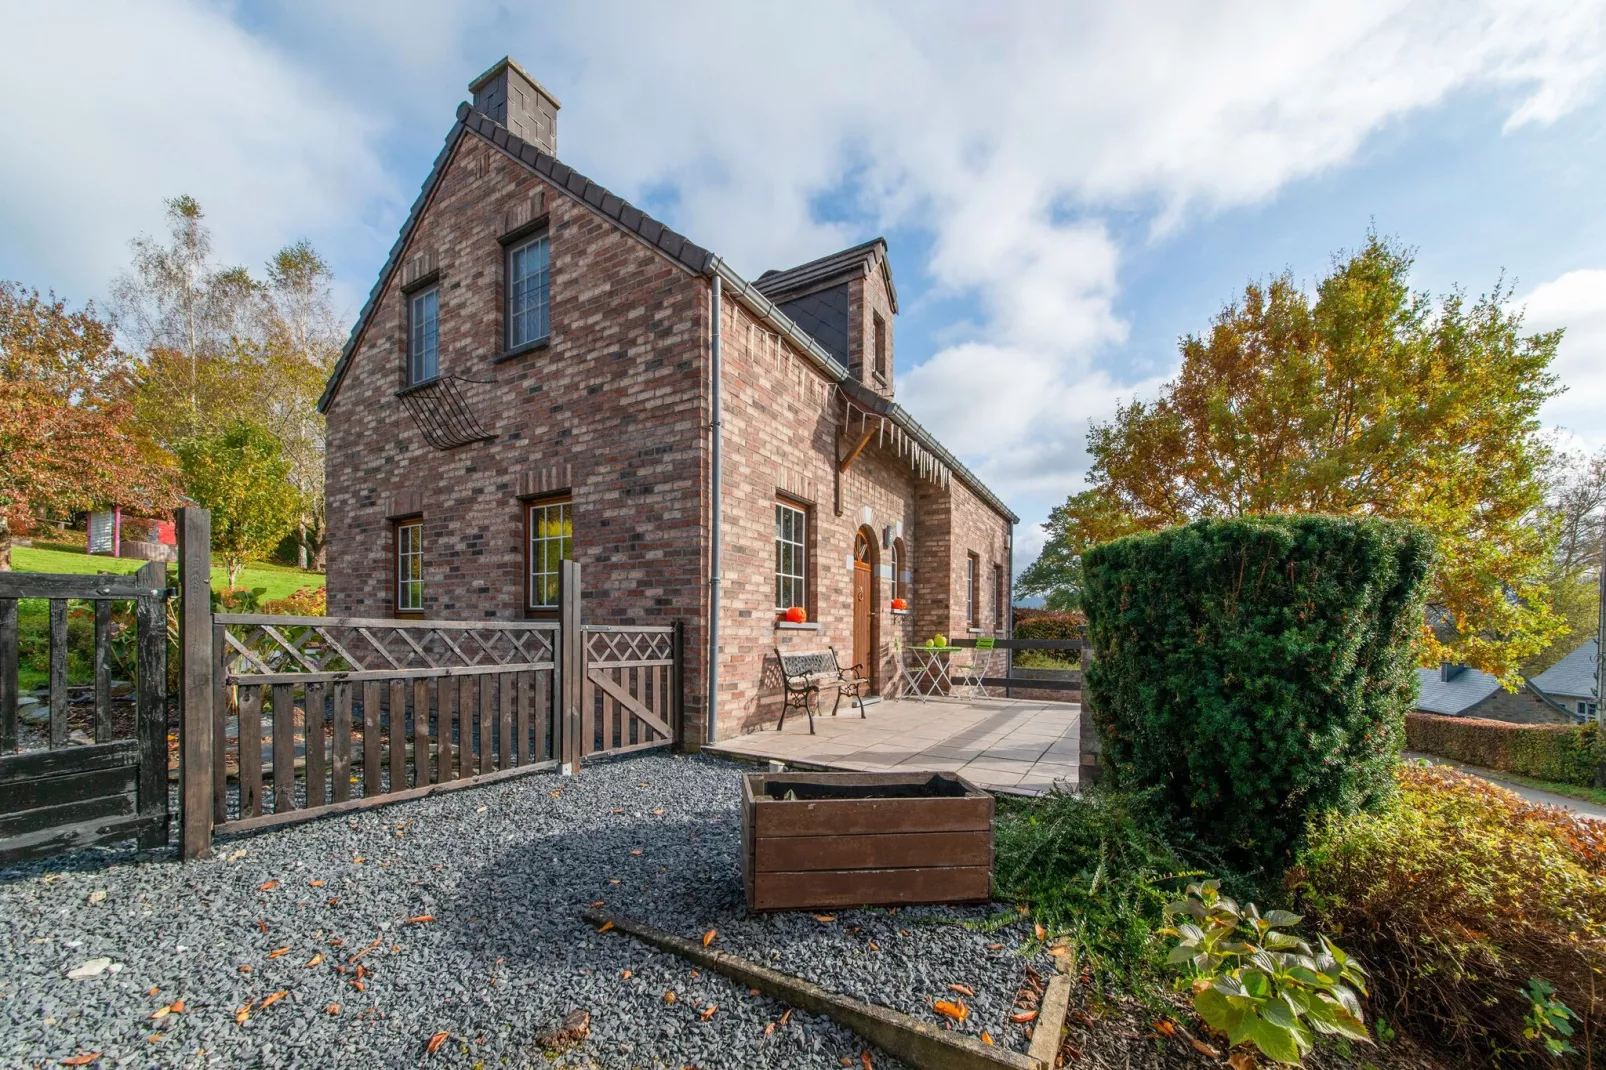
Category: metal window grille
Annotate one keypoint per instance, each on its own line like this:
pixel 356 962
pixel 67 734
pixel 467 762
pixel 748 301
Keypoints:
pixel 410 566
pixel 424 329
pixel 529 292
pixel 551 541
pixel 790 556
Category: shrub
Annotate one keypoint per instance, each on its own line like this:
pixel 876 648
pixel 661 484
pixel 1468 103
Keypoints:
pixel 1095 869
pixel 1566 754
pixel 1456 894
pixel 1257 670
pixel 1048 624
pixel 305 602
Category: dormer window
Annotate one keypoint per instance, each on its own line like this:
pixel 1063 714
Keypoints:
pixel 880 349
pixel 529 296
pixel 423 332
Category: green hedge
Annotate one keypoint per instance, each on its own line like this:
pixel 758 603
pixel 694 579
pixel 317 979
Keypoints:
pixel 1048 624
pixel 1566 754
pixel 1254 671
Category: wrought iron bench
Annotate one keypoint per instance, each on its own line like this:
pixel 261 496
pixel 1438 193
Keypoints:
pixel 804 675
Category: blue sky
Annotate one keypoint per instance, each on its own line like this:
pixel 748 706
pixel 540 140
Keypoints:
pixel 1066 188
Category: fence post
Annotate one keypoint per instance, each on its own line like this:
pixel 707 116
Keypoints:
pixel 196 673
pixel 677 681
pixel 150 682
pixel 1091 767
pixel 572 644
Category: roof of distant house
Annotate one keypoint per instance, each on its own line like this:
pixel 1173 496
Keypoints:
pixel 1573 675
pixel 1455 695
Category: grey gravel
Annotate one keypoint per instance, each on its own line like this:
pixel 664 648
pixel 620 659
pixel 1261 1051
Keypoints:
pixel 505 871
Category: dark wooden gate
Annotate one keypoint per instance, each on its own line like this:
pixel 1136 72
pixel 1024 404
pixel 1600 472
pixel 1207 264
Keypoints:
pixel 95 770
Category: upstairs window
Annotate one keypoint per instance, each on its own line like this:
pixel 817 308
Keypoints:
pixel 972 590
pixel 900 563
pixel 880 348
pixel 529 292
pixel 410 568
pixel 551 536
pixel 1000 598
pixel 423 333
pixel 791 556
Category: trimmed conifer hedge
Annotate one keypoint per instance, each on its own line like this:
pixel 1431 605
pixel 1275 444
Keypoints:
pixel 1255 671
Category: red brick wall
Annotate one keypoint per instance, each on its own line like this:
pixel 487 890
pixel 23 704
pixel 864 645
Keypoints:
pixel 614 408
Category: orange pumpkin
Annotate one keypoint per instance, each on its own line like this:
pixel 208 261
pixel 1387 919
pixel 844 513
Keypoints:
pixel 900 603
pixel 797 615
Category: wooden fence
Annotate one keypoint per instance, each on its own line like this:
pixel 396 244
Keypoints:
pixel 96 770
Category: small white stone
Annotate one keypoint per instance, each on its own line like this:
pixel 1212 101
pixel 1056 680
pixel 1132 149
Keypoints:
pixel 92 968
pixel 98 895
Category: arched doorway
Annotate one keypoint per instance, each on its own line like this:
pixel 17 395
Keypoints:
pixel 866 604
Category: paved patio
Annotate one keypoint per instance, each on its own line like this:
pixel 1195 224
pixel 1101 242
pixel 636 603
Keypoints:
pixel 999 744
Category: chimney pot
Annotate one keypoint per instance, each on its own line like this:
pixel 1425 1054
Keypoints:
pixel 517 101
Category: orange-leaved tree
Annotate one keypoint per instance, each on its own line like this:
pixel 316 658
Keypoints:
pixel 64 426
pixel 1364 398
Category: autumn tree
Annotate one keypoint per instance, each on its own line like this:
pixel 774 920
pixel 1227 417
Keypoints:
pixel 220 346
pixel 1577 506
pixel 240 475
pixel 65 429
pixel 1364 398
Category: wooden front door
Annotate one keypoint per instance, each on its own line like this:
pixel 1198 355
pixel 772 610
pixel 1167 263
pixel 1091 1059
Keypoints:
pixel 864 605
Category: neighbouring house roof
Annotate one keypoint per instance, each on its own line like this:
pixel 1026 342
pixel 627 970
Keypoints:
pixel 1573 676
pixel 1456 695
pixel 785 286
pixel 676 247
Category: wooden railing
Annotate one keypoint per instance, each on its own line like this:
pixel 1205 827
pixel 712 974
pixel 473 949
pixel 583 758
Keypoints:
pixel 317 714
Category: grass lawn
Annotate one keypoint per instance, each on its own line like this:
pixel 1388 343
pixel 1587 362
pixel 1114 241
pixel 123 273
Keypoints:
pixel 1572 791
pixel 280 580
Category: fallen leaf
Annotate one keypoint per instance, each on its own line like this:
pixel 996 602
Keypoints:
pixel 333 902
pixel 262 926
pixel 864 1058
pixel 669 997
pixel 315 884
pixel 786 1017
pixel 1203 1049
pixel 707 1012
pixel 365 950
pixel 769 1027
pixel 1241 1060
pixel 708 937
pixel 626 975
pixel 359 860
pixel 241 1014
pixel 605 926
pixel 162 1012
pixel 825 917
pixel 358 985
pixel 153 990
pixel 314 960
pixel 244 967
pixel 235 856
pixel 753 992
pixel 422 919
pixel 995 947
pixel 637 851
pixel 556 794
pixel 986 1038
pixel 97 896
pixel 1039 932
pixel 957 1011
pixel 479 809
pixel 81 1060
pixel 435 1042
pixel 1023 1016
pixel 285 950
pixel 696 974
pixel 1059 950
pixel 1165 1027
pixel 963 990
pixel 178 1006
pixel 153 1038
pixel 873 946
pixel 268 1001
pixel 597 904
pixel 613 880
pixel 333 1008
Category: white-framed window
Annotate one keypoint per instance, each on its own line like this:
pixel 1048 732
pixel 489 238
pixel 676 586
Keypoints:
pixel 423 335
pixel 529 292
pixel 972 590
pixel 791 556
pixel 550 525
pixel 1000 598
pixel 410 566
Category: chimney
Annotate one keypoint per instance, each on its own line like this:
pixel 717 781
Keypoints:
pixel 509 95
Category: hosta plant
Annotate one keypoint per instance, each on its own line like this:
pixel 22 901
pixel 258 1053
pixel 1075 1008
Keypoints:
pixel 1257 983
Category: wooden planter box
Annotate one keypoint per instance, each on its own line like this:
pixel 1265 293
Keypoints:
pixel 855 839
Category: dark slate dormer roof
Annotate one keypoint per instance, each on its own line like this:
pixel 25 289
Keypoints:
pixel 1453 697
pixel 828 271
pixel 1571 677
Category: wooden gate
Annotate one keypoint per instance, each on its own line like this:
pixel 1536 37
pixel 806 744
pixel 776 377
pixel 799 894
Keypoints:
pixel 95 771
pixel 632 690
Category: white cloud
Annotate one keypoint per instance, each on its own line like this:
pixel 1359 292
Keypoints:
pixel 113 110
pixel 1575 301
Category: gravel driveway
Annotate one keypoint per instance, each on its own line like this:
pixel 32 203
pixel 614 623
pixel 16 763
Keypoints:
pixel 464 911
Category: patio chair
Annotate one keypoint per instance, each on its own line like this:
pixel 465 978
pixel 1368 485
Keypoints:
pixel 804 675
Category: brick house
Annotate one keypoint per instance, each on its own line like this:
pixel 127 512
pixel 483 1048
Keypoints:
pixel 543 371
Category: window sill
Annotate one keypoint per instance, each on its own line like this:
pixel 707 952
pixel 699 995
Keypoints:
pixel 519 351
pixel 788 626
pixel 421 384
pixel 976 631
pixel 900 612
